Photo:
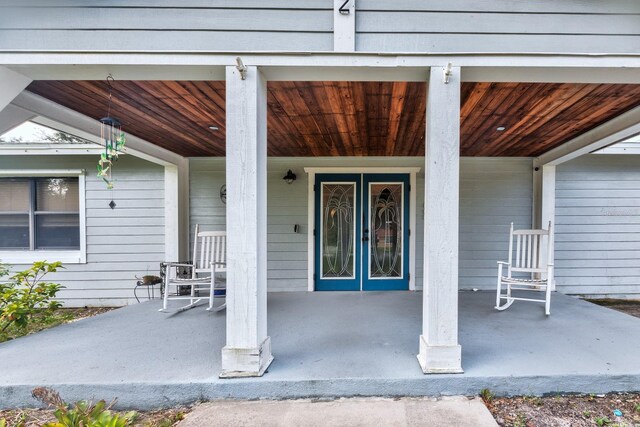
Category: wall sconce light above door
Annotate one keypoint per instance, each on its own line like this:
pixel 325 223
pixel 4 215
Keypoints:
pixel 289 177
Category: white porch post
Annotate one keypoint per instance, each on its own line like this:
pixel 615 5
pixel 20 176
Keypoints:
pixel 176 211
pixel 548 211
pixel 439 348
pixel 248 349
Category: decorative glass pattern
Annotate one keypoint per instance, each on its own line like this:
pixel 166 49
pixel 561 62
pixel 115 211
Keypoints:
pixel 338 230
pixel 386 230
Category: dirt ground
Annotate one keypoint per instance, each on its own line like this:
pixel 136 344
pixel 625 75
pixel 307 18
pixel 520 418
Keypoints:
pixel 631 307
pixel 571 410
pixel 567 411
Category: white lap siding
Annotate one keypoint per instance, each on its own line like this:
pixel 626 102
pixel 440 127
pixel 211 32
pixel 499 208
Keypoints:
pixel 597 249
pixel 493 192
pixel 121 243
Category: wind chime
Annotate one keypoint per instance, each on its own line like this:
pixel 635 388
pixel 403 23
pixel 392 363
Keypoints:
pixel 113 139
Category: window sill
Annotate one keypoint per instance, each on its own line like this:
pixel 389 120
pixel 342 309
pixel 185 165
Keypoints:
pixel 29 257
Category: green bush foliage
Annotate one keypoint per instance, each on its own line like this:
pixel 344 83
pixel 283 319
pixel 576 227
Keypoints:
pixel 26 293
pixel 82 413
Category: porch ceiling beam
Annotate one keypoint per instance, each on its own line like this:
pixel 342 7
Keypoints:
pixel 619 129
pixel 11 84
pixel 13 116
pixel 352 66
pixel 57 113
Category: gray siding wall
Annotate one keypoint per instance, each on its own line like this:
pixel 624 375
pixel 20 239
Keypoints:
pixel 494 192
pixel 564 26
pixel 121 243
pixel 212 25
pixel 498 26
pixel 597 234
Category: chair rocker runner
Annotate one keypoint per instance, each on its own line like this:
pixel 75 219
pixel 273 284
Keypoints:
pixel 209 261
pixel 530 258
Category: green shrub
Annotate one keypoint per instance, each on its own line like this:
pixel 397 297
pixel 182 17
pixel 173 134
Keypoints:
pixel 26 294
pixel 82 413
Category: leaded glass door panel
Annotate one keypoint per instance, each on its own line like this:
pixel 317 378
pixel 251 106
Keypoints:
pixel 361 232
pixel 385 232
pixel 338 230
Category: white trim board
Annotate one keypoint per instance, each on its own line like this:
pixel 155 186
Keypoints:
pixel 59 115
pixel 362 169
pixel 312 171
pixel 208 65
pixel 42 172
pixel 616 130
pixel 49 149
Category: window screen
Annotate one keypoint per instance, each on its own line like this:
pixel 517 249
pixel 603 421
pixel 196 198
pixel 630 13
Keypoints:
pixel 39 213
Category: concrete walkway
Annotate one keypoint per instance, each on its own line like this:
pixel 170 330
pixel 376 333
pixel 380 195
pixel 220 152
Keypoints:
pixel 443 412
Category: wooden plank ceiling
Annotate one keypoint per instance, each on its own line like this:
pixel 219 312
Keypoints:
pixel 352 118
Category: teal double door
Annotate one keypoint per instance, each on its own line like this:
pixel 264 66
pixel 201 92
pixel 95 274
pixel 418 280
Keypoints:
pixel 361 232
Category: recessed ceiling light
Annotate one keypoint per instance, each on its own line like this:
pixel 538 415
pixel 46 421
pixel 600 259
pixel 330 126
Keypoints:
pixel 500 128
pixel 213 127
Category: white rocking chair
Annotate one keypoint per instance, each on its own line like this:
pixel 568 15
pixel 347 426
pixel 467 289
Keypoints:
pixel 529 258
pixel 211 259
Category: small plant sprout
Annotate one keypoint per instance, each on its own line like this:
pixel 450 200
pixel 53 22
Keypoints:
pixel 486 395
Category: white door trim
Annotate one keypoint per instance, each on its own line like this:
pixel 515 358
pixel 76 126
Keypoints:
pixel 312 171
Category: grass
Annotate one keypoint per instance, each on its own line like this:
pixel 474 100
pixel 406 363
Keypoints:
pixel 45 320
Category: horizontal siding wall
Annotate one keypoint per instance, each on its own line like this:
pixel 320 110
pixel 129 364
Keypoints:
pixel 597 238
pixel 571 26
pixel 122 243
pixel 212 25
pixel 494 192
pixel 523 26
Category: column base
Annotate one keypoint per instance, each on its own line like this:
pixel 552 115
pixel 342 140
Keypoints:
pixel 246 362
pixel 442 359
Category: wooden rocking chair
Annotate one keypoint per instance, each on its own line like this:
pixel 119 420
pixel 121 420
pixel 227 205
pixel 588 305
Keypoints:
pixel 208 263
pixel 529 258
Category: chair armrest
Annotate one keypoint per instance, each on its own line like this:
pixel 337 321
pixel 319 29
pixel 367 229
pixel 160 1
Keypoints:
pixel 504 263
pixel 177 264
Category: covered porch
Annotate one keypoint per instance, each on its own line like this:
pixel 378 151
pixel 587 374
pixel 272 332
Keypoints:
pixel 327 345
pixel 441 118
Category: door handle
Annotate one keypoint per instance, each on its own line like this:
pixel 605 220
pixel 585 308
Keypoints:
pixel 365 239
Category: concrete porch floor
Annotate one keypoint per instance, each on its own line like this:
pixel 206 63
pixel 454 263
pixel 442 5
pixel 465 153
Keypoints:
pixel 327 345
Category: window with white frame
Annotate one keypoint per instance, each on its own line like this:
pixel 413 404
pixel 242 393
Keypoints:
pixel 40 213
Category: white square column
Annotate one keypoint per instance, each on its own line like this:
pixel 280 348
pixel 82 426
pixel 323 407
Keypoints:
pixel 439 348
pixel 546 211
pixel 248 349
